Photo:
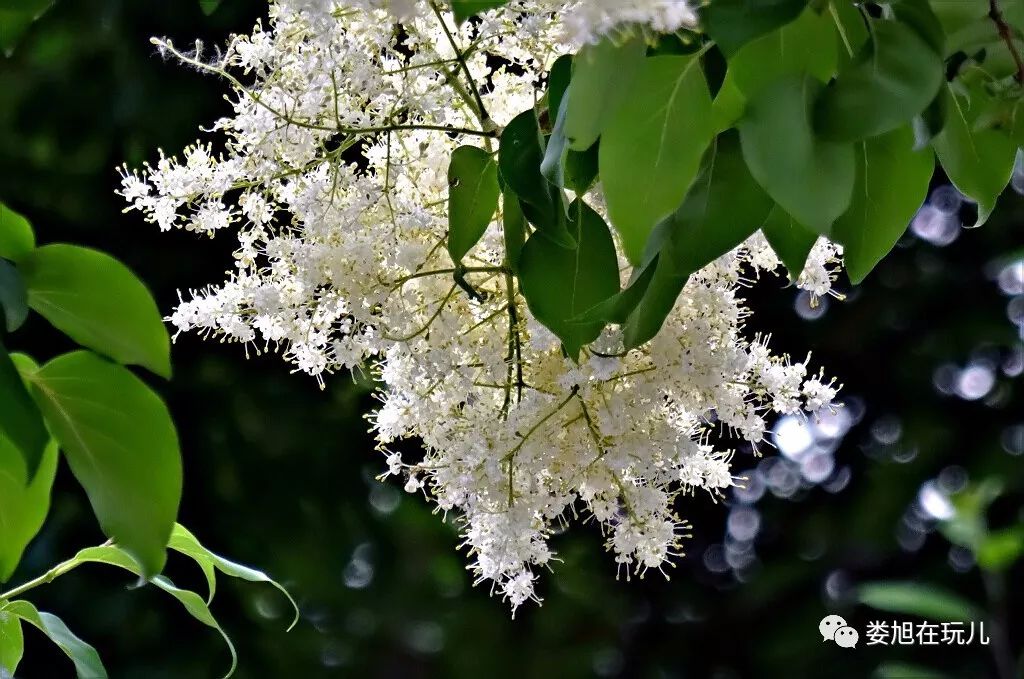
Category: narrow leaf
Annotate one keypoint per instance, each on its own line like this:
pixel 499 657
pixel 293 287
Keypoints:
pixel 21 424
pixel 98 302
pixel 926 601
pixel 472 198
pixel 16 236
pixel 13 296
pixel 87 661
pixel 122 447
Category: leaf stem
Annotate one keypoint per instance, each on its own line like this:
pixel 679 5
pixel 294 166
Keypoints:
pixel 1006 33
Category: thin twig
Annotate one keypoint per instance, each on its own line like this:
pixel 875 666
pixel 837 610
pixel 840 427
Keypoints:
pixel 1006 33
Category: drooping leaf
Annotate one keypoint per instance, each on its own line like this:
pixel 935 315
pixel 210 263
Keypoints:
pixel 559 284
pixel 23 505
pixel 13 297
pixel 519 159
pixel 651 149
pixel 657 302
pixel 932 120
pixel 810 178
pixel 12 643
pixel 892 183
pixel 601 81
pixel 87 661
pixel 464 9
pixel 618 307
pixel 790 240
pixel 806 45
pixel 894 78
pixel 98 302
pixel 978 162
pixel 21 424
pixel 472 198
pixel 513 225
pixel 563 167
pixel 734 23
pixel 918 15
pixel 911 598
pixel 724 206
pixel 558 82
pixel 851 29
pixel 16 236
pixel 184 542
pixel 121 445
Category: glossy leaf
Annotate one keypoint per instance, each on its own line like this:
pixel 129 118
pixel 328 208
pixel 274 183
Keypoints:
pixel 184 542
pixel 659 298
pixel 12 643
pixel 601 82
pixel 978 162
pixel 16 236
pixel 559 284
pixel 790 240
pixel 925 601
pixel 121 445
pixel 894 78
pixel 472 198
pixel 13 297
pixel 723 208
pixel 559 78
pixel 892 183
pixel 651 149
pixel 21 423
pixel 464 9
pixel 734 23
pixel 23 504
pixel 810 178
pixel 618 307
pixel 87 661
pixel 98 302
pixel 565 168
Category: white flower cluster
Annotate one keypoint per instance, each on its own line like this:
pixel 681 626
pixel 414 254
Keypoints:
pixel 333 178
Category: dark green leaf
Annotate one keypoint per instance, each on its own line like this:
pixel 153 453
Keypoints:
pixel 918 15
pixel 790 240
pixel 559 284
pixel 472 198
pixel 13 297
pixel 657 302
pixel 20 421
pixel 519 159
pixel 184 542
pixel 565 168
pixel 601 79
pixel 16 236
pixel 15 18
pixel 850 28
pixel 733 23
pixel 722 209
pixel 464 9
pixel 905 671
pixel 98 302
pixel 651 149
pixel 23 506
pixel 87 661
pixel 978 162
pixel 810 178
pixel 121 445
pixel 892 183
pixel 894 78
pixel 911 598
pixel 558 82
pixel 209 6
pixel 618 307
pixel 514 228
pixel 12 643
pixel 932 120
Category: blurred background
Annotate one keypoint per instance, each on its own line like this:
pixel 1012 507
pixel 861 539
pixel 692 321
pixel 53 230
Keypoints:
pixel 917 479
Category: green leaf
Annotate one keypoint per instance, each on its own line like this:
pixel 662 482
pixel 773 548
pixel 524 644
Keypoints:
pixel 734 23
pixel 659 298
pixel 894 78
pixel 20 421
pixel 892 183
pixel 560 284
pixel 87 661
pixel 1001 549
pixel 932 120
pixel 98 302
pixel 601 79
pixel 23 506
pixel 563 167
pixel 790 240
pixel 464 9
pixel 209 6
pixel 15 20
pixel 121 445
pixel 16 236
pixel 918 15
pixel 905 671
pixel 978 162
pixel 559 78
pixel 807 45
pixel 513 225
pixel 850 29
pixel 651 149
pixel 12 643
pixel 472 198
pixel 519 159
pixel 193 603
pixel 925 601
pixel 13 297
pixel 810 178
pixel 184 542
pixel 722 209
pixel 618 307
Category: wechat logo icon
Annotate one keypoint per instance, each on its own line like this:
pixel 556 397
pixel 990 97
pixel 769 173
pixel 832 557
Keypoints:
pixel 834 628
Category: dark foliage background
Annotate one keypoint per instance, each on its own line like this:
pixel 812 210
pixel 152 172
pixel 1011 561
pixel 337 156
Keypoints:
pixel 280 474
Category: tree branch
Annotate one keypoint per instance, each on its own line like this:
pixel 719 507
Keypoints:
pixel 1006 33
